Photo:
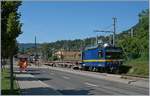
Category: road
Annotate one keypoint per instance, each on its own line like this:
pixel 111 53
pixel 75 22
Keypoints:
pixel 75 84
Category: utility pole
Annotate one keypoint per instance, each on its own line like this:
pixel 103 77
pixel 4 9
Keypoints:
pixel 96 39
pixel 22 50
pixel 100 31
pixel 84 43
pixel 35 51
pixel 114 31
pixel 92 43
pixel 110 39
pixel 131 32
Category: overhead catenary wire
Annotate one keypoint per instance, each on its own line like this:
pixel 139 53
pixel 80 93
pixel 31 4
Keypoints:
pixel 108 27
pixel 114 31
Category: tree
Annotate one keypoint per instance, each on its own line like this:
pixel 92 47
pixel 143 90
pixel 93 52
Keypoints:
pixel 137 46
pixel 9 15
pixel 46 51
pixel 11 28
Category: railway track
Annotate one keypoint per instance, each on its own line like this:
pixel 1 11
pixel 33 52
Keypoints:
pixel 76 64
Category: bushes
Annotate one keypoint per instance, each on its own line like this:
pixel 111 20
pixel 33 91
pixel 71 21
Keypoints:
pixel 138 67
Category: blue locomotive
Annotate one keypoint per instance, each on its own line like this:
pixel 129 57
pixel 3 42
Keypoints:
pixel 102 57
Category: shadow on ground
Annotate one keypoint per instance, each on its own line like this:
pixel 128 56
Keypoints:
pixel 76 92
pixel 38 91
pixel 31 79
pixel 50 91
pixel 124 69
pixel 8 92
pixel 30 69
pixel 33 73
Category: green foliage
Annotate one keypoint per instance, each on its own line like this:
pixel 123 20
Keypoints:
pixel 11 27
pixel 53 58
pixel 136 46
pixel 45 51
pixel 139 66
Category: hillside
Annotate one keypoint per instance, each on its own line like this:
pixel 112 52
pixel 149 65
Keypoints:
pixel 26 46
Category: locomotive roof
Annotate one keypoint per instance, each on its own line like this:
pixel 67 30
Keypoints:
pixel 93 47
pixel 100 46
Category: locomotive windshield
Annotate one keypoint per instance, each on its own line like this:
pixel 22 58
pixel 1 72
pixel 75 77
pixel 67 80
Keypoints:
pixel 113 53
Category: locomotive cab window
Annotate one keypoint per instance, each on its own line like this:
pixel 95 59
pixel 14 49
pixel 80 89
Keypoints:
pixel 100 54
pixel 113 54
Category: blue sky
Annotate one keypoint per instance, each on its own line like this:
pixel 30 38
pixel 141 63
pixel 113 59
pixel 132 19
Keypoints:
pixel 51 21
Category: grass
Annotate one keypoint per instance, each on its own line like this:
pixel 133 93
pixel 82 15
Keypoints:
pixel 139 67
pixel 5 84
